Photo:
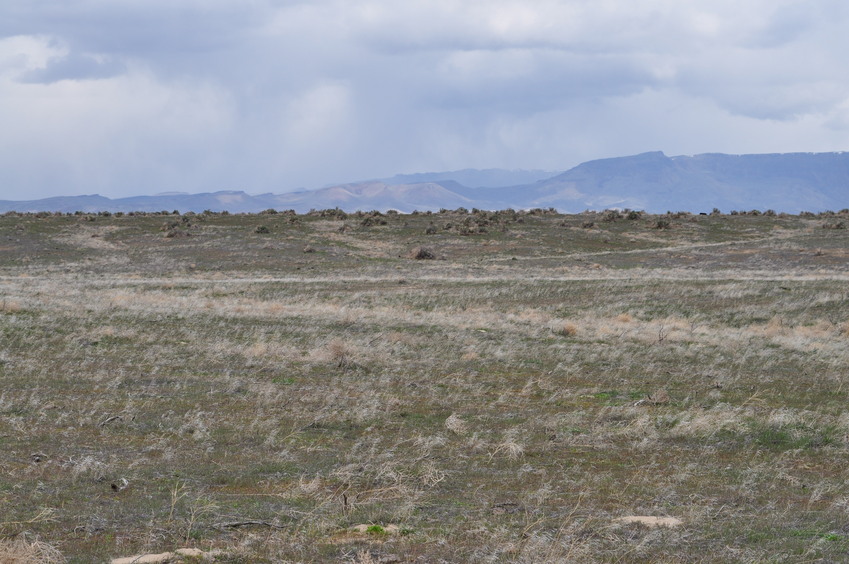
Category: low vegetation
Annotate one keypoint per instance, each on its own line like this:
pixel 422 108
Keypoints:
pixel 600 387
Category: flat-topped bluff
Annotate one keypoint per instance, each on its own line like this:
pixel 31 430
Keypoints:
pixel 654 182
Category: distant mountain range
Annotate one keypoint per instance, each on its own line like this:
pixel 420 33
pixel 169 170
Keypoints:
pixel 653 182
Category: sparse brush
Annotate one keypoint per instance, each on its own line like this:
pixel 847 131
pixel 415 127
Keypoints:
pixel 275 405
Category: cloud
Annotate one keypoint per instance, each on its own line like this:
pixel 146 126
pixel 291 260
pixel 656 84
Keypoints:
pixel 75 66
pixel 264 95
pixel 90 134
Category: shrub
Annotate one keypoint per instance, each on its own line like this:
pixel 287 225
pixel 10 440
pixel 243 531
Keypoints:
pixel 171 233
pixel 567 330
pixel 422 253
pixel 610 215
pixel 262 229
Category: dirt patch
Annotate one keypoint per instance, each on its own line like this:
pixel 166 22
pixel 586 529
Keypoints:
pixel 362 531
pixel 177 556
pixel 88 237
pixel 651 522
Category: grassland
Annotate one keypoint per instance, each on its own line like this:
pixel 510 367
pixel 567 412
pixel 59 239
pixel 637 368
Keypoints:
pixel 258 386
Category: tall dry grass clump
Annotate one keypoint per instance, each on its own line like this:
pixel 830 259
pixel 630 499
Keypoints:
pixel 22 551
pixel 340 353
pixel 566 330
pixel 10 306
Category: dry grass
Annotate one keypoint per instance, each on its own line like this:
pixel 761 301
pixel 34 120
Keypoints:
pixel 231 392
pixel 23 551
pixel 566 330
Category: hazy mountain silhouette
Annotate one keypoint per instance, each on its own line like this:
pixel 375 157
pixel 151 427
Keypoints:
pixel 653 182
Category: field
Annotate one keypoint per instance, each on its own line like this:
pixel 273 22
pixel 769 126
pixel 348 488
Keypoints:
pixel 447 387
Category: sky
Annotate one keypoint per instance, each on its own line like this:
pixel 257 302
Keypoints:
pixel 131 97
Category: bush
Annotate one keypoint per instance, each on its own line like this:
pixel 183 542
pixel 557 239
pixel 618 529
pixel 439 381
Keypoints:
pixel 567 330
pixel 610 215
pixel 370 221
pixel 422 253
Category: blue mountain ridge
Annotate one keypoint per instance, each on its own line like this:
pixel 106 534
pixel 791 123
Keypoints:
pixel 654 182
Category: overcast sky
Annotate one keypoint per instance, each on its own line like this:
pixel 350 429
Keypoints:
pixel 127 97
